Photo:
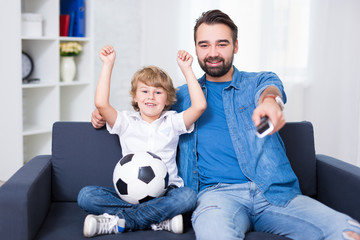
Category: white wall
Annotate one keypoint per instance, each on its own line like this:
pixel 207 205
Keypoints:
pixel 119 23
pixel 332 99
pixel 160 35
pixel 326 91
pixel 10 94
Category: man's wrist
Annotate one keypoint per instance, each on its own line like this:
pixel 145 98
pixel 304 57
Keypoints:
pixel 277 99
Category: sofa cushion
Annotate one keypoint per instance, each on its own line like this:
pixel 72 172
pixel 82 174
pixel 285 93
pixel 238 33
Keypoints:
pixel 81 156
pixel 65 221
pixel 77 143
pixel 299 143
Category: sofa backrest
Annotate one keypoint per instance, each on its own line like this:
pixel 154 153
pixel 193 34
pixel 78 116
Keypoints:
pixel 82 156
pixel 298 138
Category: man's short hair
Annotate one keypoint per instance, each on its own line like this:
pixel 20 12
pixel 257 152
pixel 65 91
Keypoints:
pixel 216 17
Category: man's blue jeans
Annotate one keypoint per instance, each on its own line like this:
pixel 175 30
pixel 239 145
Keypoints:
pixel 99 200
pixel 228 211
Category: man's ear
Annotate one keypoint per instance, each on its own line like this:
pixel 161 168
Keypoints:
pixel 236 47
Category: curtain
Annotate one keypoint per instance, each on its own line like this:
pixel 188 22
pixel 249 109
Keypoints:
pixel 332 98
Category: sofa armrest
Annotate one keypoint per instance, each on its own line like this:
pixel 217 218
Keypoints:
pixel 25 199
pixel 338 185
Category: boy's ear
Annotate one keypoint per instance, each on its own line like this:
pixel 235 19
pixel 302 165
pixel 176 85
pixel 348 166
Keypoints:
pixel 167 103
pixel 134 98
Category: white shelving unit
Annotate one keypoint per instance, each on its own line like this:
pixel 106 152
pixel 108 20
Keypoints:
pixel 51 100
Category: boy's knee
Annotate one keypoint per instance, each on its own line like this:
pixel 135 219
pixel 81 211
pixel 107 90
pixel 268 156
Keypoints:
pixel 189 194
pixel 190 197
pixel 83 196
pixel 186 196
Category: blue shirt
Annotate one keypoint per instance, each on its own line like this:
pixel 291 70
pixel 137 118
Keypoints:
pixel 262 160
pixel 217 159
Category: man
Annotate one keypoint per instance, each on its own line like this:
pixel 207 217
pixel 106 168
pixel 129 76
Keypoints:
pixel 243 182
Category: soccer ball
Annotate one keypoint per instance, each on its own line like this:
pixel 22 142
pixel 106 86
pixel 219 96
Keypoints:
pixel 140 177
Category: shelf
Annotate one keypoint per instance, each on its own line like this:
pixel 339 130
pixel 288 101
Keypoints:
pixel 40 108
pixel 36 106
pixel 39 144
pixel 38 85
pixel 74 83
pixel 40 38
pixel 76 102
pixel 49 100
pixel 45 58
pixel 49 10
pixel 51 85
pixel 35 129
pixel 78 39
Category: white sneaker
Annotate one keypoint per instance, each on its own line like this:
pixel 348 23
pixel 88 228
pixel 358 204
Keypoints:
pixel 103 224
pixel 174 225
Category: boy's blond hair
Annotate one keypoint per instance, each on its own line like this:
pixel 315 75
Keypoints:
pixel 155 77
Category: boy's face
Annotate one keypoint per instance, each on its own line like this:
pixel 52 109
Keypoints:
pixel 215 49
pixel 151 101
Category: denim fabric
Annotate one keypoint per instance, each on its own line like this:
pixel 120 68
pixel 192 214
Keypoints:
pixel 99 200
pixel 239 208
pixel 262 160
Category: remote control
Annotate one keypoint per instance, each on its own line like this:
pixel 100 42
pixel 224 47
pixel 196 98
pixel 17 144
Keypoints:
pixel 264 128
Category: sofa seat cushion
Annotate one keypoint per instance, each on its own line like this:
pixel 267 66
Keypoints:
pixel 65 221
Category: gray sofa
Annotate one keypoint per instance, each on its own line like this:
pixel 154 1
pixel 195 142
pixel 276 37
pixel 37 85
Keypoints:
pixel 39 201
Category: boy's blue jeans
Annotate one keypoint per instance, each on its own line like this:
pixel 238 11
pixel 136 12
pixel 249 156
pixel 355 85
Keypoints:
pixel 99 200
pixel 228 211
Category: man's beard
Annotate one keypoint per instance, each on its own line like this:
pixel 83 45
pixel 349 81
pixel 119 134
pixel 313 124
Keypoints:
pixel 218 71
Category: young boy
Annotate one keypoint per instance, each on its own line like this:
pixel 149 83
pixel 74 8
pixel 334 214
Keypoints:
pixel 150 128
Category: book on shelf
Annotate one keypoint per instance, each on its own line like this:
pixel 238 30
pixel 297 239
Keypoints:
pixel 76 11
pixel 64 25
pixel 71 24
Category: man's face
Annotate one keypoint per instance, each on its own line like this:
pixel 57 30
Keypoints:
pixel 215 49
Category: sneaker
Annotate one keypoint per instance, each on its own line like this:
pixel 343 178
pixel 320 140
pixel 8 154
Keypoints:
pixel 103 224
pixel 174 225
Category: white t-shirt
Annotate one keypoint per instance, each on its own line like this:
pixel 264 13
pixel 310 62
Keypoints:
pixel 160 137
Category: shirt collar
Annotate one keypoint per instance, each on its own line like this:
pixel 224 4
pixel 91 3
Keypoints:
pixel 137 115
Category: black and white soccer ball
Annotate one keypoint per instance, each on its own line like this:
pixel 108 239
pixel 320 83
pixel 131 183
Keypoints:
pixel 140 177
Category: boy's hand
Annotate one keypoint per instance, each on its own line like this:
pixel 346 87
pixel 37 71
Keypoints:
pixel 184 59
pixel 107 54
pixel 96 119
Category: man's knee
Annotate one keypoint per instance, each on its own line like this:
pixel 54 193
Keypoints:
pixel 348 235
pixel 352 235
pixel 213 222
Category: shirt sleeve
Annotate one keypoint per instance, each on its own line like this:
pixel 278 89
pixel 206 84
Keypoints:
pixel 120 124
pixel 265 80
pixel 179 124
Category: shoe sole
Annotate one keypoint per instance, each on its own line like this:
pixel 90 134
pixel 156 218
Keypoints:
pixel 86 226
pixel 178 221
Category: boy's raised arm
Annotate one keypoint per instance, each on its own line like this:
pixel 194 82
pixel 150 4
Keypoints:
pixel 198 101
pixel 102 95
